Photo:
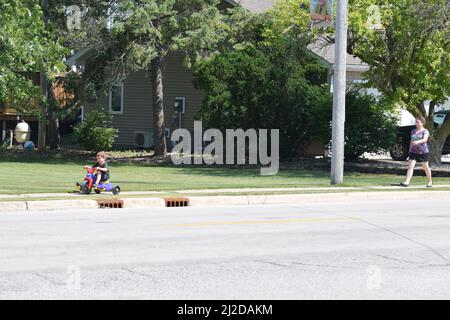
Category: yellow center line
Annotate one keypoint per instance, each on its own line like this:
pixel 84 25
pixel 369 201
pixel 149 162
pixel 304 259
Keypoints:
pixel 299 220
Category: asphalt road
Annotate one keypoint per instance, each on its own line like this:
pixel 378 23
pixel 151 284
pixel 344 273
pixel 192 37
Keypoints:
pixel 358 250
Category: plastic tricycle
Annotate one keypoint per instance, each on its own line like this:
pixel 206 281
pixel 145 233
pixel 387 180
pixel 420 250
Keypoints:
pixel 87 185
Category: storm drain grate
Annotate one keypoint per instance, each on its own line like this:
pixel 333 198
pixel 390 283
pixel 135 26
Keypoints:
pixel 177 202
pixel 110 204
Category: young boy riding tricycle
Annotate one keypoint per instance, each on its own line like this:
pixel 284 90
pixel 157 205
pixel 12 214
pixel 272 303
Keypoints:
pixel 97 177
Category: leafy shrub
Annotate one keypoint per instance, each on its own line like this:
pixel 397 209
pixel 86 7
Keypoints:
pixel 368 126
pixel 250 88
pixel 94 133
pixel 5 143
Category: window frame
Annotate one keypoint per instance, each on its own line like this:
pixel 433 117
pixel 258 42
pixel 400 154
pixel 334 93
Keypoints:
pixel 82 114
pixel 121 99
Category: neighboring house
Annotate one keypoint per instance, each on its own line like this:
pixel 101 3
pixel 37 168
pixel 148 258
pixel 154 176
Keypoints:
pixel 9 117
pixel 324 51
pixel 130 102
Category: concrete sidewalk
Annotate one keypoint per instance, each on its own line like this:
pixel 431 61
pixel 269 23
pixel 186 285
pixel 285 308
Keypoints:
pixel 218 191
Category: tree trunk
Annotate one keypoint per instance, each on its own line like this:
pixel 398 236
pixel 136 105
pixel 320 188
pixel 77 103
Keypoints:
pixel 42 129
pixel 435 145
pixel 158 107
pixel 54 139
pixel 437 141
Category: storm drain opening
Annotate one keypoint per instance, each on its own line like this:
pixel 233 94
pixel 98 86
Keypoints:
pixel 110 204
pixel 177 202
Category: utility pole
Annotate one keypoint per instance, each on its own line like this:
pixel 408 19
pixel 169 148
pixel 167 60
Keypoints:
pixel 339 88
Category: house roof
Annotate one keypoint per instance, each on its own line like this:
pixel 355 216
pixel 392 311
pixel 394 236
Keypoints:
pixel 77 58
pixel 255 6
pixel 325 51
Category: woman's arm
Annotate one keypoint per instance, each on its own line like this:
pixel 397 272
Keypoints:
pixel 421 141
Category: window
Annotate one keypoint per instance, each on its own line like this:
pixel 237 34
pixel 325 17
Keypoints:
pixel 116 99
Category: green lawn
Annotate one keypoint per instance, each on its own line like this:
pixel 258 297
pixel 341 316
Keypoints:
pixel 53 175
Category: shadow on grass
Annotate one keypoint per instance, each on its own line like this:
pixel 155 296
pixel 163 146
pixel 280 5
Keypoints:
pixel 246 172
pixel 82 158
pixel 20 156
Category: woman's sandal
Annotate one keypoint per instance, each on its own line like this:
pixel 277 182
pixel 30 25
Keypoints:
pixel 429 185
pixel 402 184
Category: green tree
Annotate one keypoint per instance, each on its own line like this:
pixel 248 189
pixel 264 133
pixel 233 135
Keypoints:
pixel 408 55
pixel 246 89
pixel 266 78
pixel 131 35
pixel 26 48
pixel 85 32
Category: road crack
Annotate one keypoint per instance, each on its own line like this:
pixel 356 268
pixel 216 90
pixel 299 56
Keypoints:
pixel 293 264
pixel 419 264
pixel 138 273
pixel 49 279
pixel 427 247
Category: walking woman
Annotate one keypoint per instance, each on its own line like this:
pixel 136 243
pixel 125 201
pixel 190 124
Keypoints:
pixel 418 152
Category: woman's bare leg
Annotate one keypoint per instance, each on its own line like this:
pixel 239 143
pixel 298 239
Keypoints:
pixel 427 170
pixel 409 174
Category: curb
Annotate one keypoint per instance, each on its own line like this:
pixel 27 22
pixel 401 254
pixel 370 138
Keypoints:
pixel 289 199
pixel 218 200
pixel 13 206
pixel 52 205
pixel 143 202
pixel 308 198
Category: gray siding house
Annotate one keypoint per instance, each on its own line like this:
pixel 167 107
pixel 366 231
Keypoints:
pixel 131 103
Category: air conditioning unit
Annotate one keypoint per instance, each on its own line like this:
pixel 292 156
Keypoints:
pixel 143 139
